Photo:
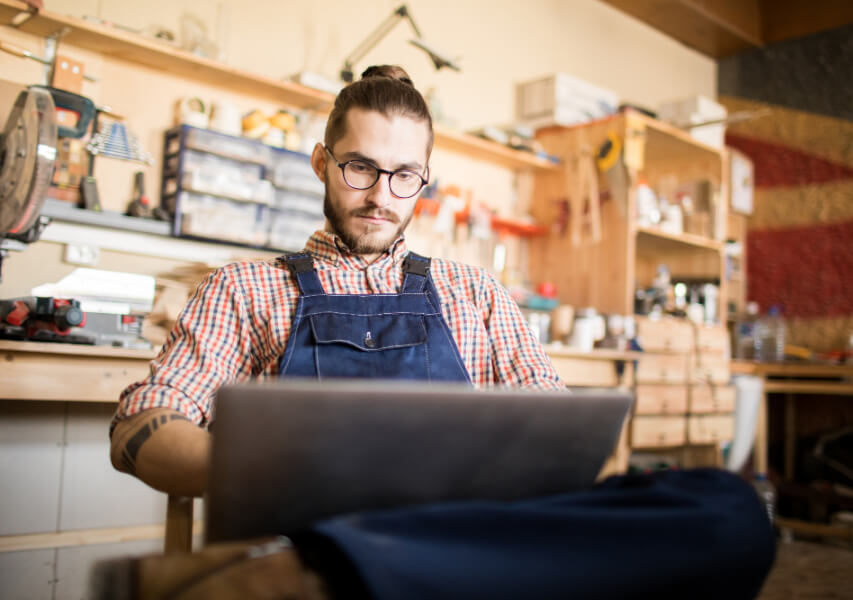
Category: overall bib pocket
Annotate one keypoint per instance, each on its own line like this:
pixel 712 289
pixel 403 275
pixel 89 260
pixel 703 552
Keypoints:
pixel 387 346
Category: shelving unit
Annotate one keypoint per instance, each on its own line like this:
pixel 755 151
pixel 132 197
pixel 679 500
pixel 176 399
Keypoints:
pixel 126 46
pixel 236 189
pixel 684 403
pixel 604 273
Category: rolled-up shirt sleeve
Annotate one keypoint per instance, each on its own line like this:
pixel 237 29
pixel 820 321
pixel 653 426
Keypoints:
pixel 209 346
pixel 517 356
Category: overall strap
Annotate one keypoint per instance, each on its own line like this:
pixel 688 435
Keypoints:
pixel 415 271
pixel 302 266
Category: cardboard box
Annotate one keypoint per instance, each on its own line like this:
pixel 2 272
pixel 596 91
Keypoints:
pixel 693 110
pixel 562 99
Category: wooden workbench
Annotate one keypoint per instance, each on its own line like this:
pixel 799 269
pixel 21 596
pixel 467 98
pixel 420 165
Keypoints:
pixel 791 379
pixel 68 372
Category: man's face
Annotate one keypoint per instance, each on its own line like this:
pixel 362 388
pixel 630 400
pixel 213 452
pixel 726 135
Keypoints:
pixel 368 221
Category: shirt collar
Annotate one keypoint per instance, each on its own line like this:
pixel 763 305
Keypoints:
pixel 328 247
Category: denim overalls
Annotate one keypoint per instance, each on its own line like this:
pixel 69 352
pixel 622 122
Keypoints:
pixel 386 336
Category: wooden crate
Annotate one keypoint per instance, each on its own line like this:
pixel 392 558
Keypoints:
pixel 712 399
pixel 664 335
pixel 662 368
pixel 704 429
pixel 653 432
pixel 661 399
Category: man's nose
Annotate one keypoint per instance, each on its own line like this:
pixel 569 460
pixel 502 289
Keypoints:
pixel 380 194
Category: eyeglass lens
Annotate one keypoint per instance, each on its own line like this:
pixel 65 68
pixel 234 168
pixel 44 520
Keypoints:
pixel 362 175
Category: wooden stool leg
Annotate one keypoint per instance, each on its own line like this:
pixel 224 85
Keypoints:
pixel 179 525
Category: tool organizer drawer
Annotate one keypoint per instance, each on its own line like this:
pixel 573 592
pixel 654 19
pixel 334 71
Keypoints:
pixel 713 340
pixel 715 371
pixel 664 335
pixel 708 399
pixel 711 428
pixel 662 368
pixel 653 432
pixel 661 399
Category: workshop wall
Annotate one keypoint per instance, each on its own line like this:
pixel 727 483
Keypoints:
pixel 800 238
pixel 499 43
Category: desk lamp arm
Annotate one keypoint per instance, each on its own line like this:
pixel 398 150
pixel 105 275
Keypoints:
pixel 375 37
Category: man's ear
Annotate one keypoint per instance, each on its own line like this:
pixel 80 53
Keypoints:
pixel 318 161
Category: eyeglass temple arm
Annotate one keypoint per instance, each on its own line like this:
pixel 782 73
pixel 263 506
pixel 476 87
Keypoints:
pixel 375 37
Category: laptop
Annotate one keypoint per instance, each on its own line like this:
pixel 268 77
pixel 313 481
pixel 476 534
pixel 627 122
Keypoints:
pixel 290 452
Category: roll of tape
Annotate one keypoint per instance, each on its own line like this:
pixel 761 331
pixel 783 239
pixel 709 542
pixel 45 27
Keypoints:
pixel 192 111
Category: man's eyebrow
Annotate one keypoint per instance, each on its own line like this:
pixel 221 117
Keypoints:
pixel 355 155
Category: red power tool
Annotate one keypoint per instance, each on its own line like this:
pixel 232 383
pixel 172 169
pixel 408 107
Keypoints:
pixel 42 319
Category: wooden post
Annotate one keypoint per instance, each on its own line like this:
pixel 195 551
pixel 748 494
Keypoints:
pixel 790 436
pixel 179 525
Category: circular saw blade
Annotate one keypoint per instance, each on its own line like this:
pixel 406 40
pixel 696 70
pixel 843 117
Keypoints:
pixel 27 159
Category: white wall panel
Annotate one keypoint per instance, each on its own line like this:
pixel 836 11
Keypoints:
pixel 94 494
pixel 74 565
pixel 27 575
pixel 30 463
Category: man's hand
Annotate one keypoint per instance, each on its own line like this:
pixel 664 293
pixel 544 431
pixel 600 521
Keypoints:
pixel 164 449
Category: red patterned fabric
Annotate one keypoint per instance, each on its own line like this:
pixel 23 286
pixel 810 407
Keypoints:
pixel 777 165
pixel 236 326
pixel 807 271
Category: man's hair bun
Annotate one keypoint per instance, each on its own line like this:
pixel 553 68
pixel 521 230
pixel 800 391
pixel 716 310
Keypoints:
pixel 389 72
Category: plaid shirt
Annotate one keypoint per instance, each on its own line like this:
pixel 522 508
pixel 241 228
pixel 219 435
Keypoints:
pixel 236 326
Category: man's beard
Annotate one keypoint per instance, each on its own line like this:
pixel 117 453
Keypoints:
pixel 362 243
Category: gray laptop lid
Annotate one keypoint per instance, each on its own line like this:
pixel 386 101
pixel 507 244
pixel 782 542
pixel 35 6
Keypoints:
pixel 295 451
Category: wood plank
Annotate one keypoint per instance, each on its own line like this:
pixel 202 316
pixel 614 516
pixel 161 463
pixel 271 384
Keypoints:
pixel 127 46
pixel 788 19
pixel 843 531
pixel 77 349
pixel 86 537
pixel 179 525
pixel 740 17
pixel 745 367
pixel 596 354
pixel 808 387
pixel 654 239
pixel 714 29
pixel 582 372
pixel 54 376
pixel 478 148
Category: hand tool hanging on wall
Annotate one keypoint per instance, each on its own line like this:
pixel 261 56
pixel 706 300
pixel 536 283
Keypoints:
pixel 140 206
pixel 610 164
pixel 582 183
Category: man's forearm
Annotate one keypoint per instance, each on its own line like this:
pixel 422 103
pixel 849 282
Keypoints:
pixel 164 449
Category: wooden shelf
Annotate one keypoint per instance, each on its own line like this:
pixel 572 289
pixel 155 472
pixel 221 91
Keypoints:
pixel 668 143
pixel 130 47
pixel 163 56
pixel 86 537
pixel 791 369
pixel 474 147
pixel 651 238
pixel 77 349
pixel 596 354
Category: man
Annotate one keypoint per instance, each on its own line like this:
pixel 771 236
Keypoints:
pixel 240 322
pixel 251 320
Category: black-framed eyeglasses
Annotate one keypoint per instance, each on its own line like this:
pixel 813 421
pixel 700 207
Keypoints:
pixel 363 175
